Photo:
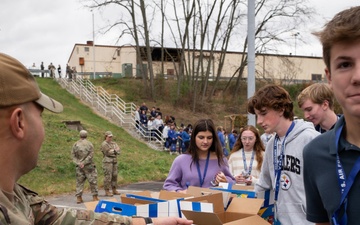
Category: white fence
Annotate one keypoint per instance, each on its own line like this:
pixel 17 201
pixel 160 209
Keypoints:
pixel 113 107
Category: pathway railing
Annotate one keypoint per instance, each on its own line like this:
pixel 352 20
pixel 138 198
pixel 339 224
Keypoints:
pixel 113 107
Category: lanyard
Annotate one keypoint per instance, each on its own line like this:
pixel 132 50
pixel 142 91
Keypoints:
pixel 344 183
pixel 205 169
pixel 278 164
pixel 248 171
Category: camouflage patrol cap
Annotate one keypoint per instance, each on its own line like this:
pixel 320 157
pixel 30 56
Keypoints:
pixel 18 86
pixel 83 133
pixel 108 134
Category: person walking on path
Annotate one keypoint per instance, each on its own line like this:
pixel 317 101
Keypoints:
pixel 110 150
pixel 82 154
pixel 59 71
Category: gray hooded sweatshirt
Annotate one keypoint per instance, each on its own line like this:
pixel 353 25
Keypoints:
pixel 291 203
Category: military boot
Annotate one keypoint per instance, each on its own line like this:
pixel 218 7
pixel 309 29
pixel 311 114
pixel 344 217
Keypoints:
pixel 95 198
pixel 108 193
pixel 115 192
pixel 79 200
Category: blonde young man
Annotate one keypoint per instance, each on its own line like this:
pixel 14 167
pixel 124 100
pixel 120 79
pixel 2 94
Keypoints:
pixel 21 135
pixel 317 103
pixel 332 160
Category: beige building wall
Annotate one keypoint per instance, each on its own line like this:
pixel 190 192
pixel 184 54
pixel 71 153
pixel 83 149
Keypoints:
pixel 268 66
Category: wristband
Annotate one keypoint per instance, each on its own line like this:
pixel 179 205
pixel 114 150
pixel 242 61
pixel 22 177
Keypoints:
pixel 148 221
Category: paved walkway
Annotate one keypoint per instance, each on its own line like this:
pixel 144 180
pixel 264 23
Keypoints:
pixel 69 200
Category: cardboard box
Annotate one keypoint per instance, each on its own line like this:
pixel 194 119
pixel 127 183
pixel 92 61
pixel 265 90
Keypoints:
pixel 198 192
pixel 241 211
pixel 144 204
pixel 172 198
pixel 92 205
pixel 206 203
pixel 134 208
pixel 238 191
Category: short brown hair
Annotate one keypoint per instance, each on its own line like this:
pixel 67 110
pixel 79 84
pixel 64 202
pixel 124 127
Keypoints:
pixel 273 97
pixel 344 27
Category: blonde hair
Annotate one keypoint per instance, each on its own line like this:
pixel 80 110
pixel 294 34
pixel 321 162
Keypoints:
pixel 318 93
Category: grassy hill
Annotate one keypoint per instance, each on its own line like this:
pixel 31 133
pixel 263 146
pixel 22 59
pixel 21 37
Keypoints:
pixel 55 172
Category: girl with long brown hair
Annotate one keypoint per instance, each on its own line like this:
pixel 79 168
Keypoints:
pixel 246 157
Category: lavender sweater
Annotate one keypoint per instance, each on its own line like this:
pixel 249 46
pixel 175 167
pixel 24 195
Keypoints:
pixel 181 175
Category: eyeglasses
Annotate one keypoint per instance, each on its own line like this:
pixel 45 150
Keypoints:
pixel 247 138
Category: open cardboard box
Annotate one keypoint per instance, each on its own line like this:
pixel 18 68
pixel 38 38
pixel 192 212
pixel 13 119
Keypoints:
pixel 198 192
pixel 241 211
pixel 92 205
pixel 206 203
pixel 238 191
pixel 134 207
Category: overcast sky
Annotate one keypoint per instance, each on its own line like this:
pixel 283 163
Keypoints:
pixel 46 30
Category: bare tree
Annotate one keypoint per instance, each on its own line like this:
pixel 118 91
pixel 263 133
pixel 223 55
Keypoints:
pixel 276 17
pixel 202 33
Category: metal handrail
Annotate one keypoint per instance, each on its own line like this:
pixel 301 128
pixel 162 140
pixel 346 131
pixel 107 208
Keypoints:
pixel 112 107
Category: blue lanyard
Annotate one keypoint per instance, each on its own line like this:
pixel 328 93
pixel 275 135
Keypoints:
pixel 248 172
pixel 205 169
pixel 278 164
pixel 344 184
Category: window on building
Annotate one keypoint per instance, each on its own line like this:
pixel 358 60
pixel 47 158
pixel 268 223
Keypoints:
pixel 170 71
pixel 87 49
pixel 118 52
pixel 316 77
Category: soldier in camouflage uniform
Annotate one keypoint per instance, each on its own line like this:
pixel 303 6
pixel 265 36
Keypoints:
pixel 82 154
pixel 21 135
pixel 110 150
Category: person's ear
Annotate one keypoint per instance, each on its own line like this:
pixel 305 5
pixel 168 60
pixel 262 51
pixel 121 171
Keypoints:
pixel 328 76
pixel 17 123
pixel 325 105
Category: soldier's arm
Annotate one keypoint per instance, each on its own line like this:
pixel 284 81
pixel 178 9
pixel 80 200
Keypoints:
pixel 73 155
pixel 88 159
pixel 107 150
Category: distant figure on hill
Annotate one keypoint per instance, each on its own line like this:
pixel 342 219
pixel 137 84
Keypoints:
pixel 42 67
pixel 59 71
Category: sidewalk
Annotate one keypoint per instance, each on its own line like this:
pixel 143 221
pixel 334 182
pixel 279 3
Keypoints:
pixel 69 200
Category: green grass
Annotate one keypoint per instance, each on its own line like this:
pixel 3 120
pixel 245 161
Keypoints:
pixel 55 172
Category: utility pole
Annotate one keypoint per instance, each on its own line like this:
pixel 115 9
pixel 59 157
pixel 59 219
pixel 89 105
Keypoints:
pixel 93 26
pixel 295 36
pixel 251 56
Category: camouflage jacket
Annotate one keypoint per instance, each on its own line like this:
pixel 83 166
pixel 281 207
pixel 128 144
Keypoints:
pixel 110 151
pixel 27 208
pixel 82 152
